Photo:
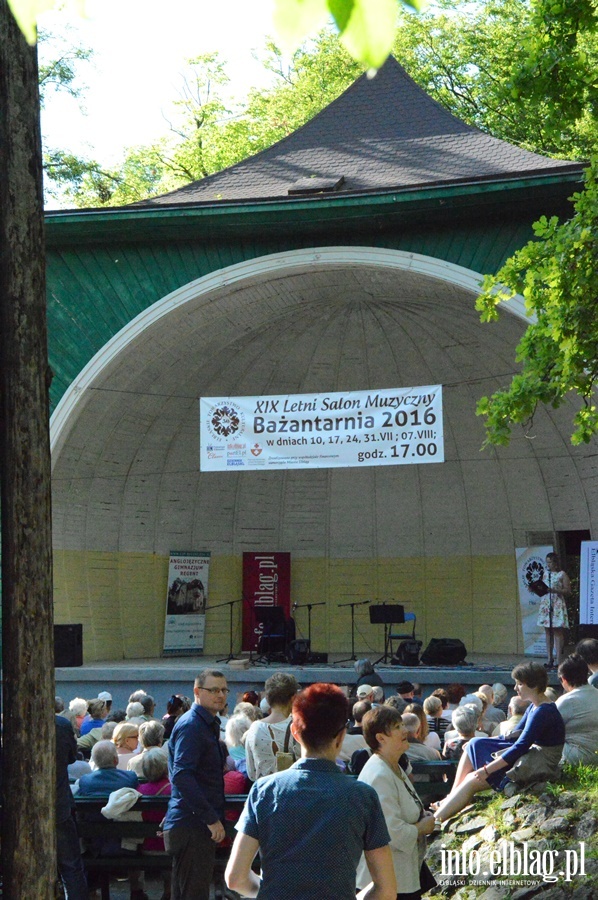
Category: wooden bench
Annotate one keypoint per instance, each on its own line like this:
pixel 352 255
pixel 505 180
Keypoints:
pixel 92 825
pixel 439 786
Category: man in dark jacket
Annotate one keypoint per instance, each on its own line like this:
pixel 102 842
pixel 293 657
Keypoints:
pixel 194 821
pixel 70 866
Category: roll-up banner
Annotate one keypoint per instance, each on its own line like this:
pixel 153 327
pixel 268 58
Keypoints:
pixel 390 427
pixel 186 601
pixel 531 566
pixel 588 583
pixel 266 583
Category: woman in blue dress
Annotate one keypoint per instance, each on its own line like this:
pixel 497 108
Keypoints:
pixel 532 753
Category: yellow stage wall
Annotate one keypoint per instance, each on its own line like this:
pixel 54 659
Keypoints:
pixel 120 599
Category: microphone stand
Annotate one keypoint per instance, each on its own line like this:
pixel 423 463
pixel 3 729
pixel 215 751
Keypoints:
pixel 230 604
pixel 309 607
pixel 352 658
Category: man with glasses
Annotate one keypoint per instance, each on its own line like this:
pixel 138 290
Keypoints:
pixel 194 822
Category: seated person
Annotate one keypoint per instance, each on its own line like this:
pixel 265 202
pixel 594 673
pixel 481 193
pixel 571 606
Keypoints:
pixel 579 708
pixel 465 720
pixel 500 697
pixel 104 779
pixel 475 703
pixel 417 749
pixel 588 650
pixel 533 754
pixel 126 741
pixel 273 731
pixel 78 708
pixel 96 715
pixel 491 713
pixel 358 712
pixel 151 735
pixel 455 692
pixel 235 732
pixel 366 674
pixel 516 708
pixel 427 737
pixel 437 723
pixel 85 743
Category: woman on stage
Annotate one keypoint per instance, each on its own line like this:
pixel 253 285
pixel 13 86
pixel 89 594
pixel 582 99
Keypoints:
pixel 552 614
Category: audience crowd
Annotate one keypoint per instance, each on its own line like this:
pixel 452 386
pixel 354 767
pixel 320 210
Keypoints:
pixel 197 752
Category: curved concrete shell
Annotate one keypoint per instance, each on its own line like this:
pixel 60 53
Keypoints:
pixel 440 538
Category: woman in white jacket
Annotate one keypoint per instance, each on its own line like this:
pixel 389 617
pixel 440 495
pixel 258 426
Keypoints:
pixel 407 821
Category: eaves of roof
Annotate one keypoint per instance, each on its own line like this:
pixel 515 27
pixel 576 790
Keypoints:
pixel 314 214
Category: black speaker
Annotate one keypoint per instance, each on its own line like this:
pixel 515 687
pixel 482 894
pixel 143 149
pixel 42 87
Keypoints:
pixel 444 652
pixel 318 658
pixel 298 652
pixel 68 645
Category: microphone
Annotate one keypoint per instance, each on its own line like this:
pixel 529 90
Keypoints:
pixel 295 605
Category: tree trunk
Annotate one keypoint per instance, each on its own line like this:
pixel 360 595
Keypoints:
pixel 28 740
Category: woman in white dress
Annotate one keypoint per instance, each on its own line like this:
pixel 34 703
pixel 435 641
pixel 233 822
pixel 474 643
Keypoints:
pixel 407 821
pixel 273 733
pixel 552 613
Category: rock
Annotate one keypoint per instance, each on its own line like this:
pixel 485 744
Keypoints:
pixel 567 798
pixel 511 802
pixel 524 893
pixel 526 809
pixel 538 790
pixel 473 842
pixel 472 825
pixel 586 827
pixel 489 833
pixel 556 823
pixel 564 811
pixel 494 892
pixel 537 816
pixel 524 834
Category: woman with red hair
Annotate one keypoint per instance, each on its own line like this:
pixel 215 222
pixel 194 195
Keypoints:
pixel 311 814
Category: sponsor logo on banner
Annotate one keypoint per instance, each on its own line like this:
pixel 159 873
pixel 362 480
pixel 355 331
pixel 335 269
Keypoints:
pixel 225 420
pixel 531 565
pixel 388 427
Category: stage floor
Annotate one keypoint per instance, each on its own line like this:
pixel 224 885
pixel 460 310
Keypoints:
pixel 165 676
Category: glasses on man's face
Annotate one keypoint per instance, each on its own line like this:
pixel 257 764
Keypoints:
pixel 224 691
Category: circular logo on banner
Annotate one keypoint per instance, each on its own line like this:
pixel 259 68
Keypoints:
pixel 225 420
pixel 532 572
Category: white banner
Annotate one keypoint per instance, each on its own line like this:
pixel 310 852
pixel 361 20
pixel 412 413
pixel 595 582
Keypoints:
pixel 186 601
pixel 588 583
pixel 395 426
pixel 531 566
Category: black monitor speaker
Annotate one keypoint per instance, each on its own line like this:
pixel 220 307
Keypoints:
pixel 68 645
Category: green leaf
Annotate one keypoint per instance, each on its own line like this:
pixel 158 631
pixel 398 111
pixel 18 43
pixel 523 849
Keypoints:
pixel 296 19
pixel 27 12
pixel 367 28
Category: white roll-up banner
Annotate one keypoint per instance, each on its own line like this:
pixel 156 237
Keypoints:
pixel 389 427
pixel 588 583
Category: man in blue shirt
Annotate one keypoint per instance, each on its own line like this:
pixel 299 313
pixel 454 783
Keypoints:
pixel 194 821
pixel 311 823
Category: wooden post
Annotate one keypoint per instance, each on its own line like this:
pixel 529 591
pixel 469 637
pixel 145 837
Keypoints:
pixel 28 739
